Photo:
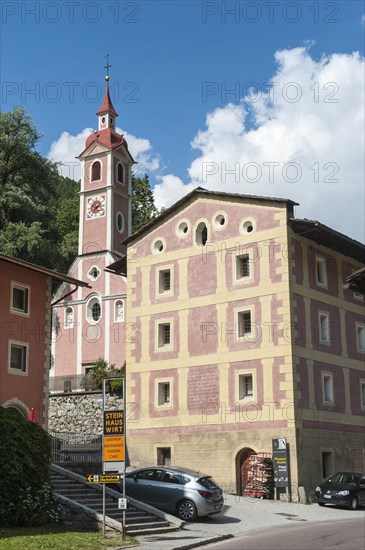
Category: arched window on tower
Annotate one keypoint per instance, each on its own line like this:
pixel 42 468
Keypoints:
pixel 96 171
pixel 120 172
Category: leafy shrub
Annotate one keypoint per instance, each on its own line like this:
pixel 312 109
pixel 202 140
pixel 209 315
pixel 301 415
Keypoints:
pixel 25 456
pixel 103 369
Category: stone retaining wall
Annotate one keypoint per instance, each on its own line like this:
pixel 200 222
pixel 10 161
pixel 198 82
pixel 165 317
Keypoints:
pixel 79 413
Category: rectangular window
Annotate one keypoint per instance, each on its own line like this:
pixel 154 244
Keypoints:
pixel 327 387
pixel 244 324
pixel 245 386
pixel 164 336
pixel 163 456
pixel 321 271
pixel 327 464
pixel 362 393
pixel 18 357
pixel 164 281
pixel 164 393
pixel 19 299
pixel 324 327
pixel 242 266
pixel 360 335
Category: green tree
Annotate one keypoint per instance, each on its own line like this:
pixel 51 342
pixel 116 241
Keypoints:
pixel 25 456
pixel 143 204
pixel 32 195
pixel 39 209
pixel 102 369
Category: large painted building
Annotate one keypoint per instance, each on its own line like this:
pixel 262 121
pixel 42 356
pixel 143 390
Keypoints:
pixel 25 312
pixel 90 323
pixel 243 332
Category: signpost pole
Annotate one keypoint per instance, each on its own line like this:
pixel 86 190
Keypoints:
pixel 113 449
pixel 103 462
pixel 103 510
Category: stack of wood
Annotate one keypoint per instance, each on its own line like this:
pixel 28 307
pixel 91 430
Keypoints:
pixel 258 476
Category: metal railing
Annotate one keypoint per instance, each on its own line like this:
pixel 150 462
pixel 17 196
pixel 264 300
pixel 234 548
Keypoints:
pixel 72 383
pixel 76 447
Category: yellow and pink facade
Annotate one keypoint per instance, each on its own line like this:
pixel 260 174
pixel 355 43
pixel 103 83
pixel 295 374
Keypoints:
pixel 240 331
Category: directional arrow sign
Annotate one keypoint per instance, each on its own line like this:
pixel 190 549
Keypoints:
pixel 99 478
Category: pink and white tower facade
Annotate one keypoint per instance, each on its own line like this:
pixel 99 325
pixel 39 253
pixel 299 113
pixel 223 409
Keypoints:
pixel 89 323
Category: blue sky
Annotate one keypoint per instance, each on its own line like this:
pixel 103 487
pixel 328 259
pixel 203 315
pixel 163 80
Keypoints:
pixel 173 64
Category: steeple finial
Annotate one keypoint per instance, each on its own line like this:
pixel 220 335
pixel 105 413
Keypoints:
pixel 107 67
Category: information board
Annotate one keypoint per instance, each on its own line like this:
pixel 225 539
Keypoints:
pixel 280 462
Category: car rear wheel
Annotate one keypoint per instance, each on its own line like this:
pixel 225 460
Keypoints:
pixel 186 510
pixel 353 503
pixel 321 503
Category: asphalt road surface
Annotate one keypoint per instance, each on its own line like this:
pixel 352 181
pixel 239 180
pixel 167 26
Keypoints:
pixel 330 535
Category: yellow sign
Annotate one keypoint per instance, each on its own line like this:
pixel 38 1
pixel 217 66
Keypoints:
pixel 114 422
pixel 113 448
pixel 98 478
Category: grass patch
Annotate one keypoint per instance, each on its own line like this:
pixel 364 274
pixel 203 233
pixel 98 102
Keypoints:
pixel 59 538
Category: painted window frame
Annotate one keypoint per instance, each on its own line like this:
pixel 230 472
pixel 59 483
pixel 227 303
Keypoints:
pixel 180 233
pixel 360 327
pixel 245 223
pixel 25 346
pixel 23 287
pixel 327 376
pixel 362 393
pixel 321 261
pixel 158 327
pixel 324 314
pixel 247 278
pixel 161 384
pixel 217 218
pixel 160 293
pixel 238 314
pixel 245 374
pixel 196 230
pixel 158 245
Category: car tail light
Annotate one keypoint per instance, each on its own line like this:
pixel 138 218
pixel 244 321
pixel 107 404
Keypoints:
pixel 205 494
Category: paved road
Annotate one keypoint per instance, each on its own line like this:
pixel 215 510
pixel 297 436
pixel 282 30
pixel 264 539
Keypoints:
pixel 339 535
pixel 242 515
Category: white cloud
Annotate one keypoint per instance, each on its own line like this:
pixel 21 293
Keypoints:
pixel 67 147
pixel 311 123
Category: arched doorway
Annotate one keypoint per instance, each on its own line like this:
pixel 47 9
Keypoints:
pixel 16 411
pixel 241 458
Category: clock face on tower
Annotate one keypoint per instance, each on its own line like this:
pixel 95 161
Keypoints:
pixel 95 206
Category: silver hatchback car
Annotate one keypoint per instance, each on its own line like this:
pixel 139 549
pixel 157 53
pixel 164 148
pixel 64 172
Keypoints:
pixel 180 491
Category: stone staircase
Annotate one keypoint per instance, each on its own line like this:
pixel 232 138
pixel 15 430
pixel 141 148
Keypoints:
pixel 71 489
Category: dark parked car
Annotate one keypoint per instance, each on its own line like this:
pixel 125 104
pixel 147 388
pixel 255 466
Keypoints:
pixel 342 489
pixel 180 491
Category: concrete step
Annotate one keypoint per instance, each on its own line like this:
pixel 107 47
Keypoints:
pixel 138 522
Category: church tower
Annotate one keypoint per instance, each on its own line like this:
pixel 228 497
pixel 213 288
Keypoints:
pixel 89 322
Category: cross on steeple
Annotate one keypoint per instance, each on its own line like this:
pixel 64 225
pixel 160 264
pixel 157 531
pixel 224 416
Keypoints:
pixel 107 67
